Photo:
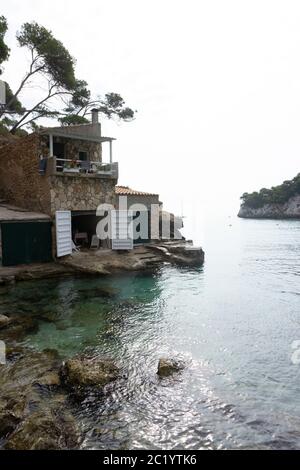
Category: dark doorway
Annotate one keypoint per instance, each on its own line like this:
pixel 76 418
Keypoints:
pixel 84 222
pixel 59 150
pixel 83 156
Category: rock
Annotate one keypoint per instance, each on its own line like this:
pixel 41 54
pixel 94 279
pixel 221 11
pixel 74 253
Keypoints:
pixel 180 253
pixel 18 375
pixel 12 409
pixel 167 367
pixel 8 422
pixel 287 210
pixel 101 292
pixel 6 280
pixel 17 327
pixel 85 371
pixel 31 417
pixel 3 290
pixel 4 321
pixel 50 379
pixel 45 429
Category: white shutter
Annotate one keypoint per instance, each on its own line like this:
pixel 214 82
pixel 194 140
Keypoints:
pixel 63 233
pixel 122 233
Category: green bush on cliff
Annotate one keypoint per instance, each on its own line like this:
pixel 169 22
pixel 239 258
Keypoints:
pixel 276 195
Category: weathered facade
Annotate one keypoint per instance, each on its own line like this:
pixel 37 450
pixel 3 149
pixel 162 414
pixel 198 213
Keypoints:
pixel 56 186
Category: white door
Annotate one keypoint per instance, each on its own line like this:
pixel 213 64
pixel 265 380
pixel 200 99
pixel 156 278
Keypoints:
pixel 122 231
pixel 63 224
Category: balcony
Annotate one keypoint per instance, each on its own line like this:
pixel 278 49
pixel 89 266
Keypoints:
pixel 81 169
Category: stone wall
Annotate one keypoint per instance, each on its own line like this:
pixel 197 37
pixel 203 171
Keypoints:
pixel 80 193
pixel 20 181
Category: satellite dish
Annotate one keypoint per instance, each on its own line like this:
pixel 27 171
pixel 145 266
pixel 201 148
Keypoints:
pixel 2 93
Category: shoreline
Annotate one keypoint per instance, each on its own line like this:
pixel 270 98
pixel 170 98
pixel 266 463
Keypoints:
pixel 269 217
pixel 107 262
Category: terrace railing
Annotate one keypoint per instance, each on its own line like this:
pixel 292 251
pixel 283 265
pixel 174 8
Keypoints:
pixel 65 166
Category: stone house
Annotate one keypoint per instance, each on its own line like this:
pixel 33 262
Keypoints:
pixel 57 178
pixel 148 212
pixel 59 172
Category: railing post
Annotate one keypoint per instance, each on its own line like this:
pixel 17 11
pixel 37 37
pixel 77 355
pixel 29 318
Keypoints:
pixel 51 145
pixel 110 152
pixel 54 169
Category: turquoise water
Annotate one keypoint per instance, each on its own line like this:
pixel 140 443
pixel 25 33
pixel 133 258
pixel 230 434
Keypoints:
pixel 233 321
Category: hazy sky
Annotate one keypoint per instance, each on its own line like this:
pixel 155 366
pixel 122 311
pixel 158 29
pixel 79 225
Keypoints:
pixel 216 84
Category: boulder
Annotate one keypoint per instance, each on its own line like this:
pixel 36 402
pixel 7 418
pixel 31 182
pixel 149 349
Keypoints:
pixel 85 371
pixel 167 367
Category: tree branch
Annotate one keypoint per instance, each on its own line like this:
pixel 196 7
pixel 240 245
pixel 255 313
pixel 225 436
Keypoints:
pixel 21 86
pixel 32 110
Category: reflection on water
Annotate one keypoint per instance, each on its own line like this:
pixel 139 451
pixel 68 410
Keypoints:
pixel 232 321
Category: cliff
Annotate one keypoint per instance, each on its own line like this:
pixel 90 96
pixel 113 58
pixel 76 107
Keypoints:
pixel 287 210
pixel 278 202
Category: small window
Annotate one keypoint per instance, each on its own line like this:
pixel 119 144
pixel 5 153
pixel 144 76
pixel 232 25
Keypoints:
pixel 83 156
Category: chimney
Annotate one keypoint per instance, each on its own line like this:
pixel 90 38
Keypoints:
pixel 95 116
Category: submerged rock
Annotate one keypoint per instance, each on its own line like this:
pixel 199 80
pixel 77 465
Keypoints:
pixel 101 292
pixel 7 280
pixel 12 410
pixel 14 328
pixel 19 395
pixel 34 410
pixel 45 429
pixel 167 367
pixel 50 379
pixel 4 321
pixel 85 371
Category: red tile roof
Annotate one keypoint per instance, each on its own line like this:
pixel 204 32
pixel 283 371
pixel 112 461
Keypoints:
pixel 126 191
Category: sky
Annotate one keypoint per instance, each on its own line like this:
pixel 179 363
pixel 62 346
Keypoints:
pixel 216 84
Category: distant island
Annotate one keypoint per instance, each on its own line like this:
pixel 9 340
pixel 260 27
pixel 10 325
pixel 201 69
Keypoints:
pixel 279 202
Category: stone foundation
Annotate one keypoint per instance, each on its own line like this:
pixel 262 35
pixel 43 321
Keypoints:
pixel 81 194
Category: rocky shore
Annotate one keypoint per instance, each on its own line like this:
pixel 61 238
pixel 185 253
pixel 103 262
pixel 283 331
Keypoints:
pixel 142 258
pixel 41 393
pixel 105 262
pixel 288 210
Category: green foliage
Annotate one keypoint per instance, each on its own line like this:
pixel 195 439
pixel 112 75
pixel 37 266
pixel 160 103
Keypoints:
pixel 113 104
pixel 13 104
pixel 5 128
pixel 52 56
pixel 52 62
pixel 4 49
pixel 72 119
pixel 81 95
pixel 276 195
